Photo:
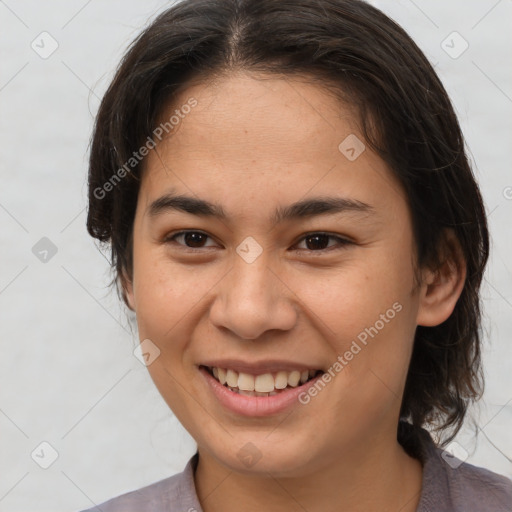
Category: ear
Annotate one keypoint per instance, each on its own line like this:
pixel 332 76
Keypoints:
pixel 441 287
pixel 127 291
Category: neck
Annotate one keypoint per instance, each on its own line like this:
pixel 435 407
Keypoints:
pixel 386 480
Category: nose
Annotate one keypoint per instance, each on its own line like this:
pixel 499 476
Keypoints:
pixel 253 298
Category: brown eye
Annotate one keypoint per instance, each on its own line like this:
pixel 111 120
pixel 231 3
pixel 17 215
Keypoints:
pixel 316 242
pixel 190 239
pixel 194 239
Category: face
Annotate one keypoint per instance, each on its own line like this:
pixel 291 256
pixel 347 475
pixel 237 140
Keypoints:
pixel 268 290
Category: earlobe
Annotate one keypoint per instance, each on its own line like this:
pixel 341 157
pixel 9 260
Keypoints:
pixel 128 295
pixel 130 302
pixel 441 288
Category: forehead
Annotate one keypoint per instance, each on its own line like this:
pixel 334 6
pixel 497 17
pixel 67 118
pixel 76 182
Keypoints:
pixel 284 114
pixel 266 138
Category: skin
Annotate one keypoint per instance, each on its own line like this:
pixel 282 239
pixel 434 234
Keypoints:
pixel 251 144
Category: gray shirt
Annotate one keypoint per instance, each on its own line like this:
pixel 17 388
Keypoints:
pixel 449 485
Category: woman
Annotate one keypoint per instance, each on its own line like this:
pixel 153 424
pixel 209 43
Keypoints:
pixel 294 221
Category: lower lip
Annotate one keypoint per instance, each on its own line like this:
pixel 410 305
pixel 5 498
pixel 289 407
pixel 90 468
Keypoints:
pixel 256 405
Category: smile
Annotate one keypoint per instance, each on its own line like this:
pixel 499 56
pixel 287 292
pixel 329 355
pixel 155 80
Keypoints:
pixel 262 385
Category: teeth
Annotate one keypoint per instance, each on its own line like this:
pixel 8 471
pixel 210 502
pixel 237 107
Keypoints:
pixel 246 393
pixel 293 379
pixel 266 384
pixel 246 382
pixel 281 380
pixel 222 375
pixel 232 378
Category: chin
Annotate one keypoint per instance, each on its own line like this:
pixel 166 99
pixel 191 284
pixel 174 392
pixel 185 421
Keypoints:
pixel 264 457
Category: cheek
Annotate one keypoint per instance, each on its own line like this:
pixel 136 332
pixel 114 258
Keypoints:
pixel 366 314
pixel 164 293
pixel 167 300
pixel 352 297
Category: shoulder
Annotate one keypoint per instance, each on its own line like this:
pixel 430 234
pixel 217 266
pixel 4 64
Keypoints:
pixel 479 488
pixel 176 492
pixel 451 485
pixel 149 498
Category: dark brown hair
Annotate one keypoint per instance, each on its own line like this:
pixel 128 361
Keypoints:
pixel 405 115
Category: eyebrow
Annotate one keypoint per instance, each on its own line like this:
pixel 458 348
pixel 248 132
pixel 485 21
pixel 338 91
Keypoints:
pixel 305 208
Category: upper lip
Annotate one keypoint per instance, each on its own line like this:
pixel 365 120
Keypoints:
pixel 259 367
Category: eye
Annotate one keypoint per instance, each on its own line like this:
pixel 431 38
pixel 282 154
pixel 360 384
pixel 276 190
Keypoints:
pixel 318 242
pixel 191 239
pixel 315 242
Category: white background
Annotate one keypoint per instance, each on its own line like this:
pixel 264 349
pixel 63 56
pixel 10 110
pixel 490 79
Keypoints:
pixel 67 372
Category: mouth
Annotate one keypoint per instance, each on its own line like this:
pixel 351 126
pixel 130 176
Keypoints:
pixel 261 385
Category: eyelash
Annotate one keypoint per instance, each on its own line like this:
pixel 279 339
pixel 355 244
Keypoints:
pixel 342 242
